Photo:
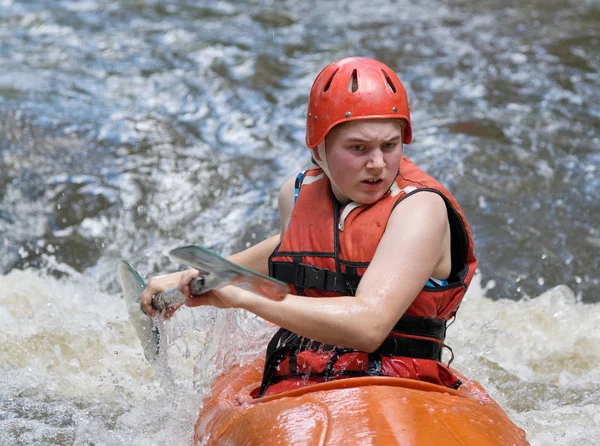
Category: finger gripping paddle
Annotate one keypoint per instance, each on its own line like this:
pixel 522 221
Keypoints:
pixel 161 301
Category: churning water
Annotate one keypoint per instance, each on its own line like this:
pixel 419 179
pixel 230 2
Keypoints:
pixel 128 128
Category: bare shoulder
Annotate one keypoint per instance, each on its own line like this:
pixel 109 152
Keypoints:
pixel 287 188
pixel 419 229
pixel 286 202
pixel 421 208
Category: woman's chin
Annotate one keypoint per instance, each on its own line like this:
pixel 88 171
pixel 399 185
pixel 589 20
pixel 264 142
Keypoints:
pixel 366 198
pixel 359 196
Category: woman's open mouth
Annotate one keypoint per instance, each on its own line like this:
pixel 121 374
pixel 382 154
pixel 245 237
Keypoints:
pixel 373 182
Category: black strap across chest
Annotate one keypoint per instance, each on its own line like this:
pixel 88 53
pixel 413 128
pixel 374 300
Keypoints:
pixel 304 276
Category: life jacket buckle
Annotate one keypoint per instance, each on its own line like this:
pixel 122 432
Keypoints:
pixel 310 276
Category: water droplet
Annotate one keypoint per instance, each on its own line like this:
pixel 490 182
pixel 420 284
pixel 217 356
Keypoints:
pixel 482 202
pixel 23 253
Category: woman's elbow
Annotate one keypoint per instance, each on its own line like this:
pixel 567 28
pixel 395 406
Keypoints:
pixel 372 337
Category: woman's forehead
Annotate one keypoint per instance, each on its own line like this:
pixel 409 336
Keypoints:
pixel 380 127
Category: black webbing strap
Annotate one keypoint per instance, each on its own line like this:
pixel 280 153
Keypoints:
pixel 421 326
pixel 411 348
pixel 305 276
pixel 281 343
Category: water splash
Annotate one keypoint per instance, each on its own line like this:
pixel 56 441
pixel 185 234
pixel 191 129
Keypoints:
pixel 73 369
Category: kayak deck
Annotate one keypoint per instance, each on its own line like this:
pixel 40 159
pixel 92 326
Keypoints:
pixel 362 410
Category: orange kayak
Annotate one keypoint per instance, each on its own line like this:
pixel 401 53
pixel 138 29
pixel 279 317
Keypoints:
pixel 352 411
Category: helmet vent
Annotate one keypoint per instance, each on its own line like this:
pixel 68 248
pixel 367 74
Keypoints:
pixel 389 81
pixel 328 84
pixel 353 84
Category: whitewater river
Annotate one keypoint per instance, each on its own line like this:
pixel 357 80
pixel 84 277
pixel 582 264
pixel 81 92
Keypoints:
pixel 131 127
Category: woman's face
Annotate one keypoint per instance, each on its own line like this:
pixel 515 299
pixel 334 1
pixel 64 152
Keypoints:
pixel 363 158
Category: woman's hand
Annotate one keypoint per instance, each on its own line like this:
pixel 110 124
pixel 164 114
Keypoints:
pixel 157 285
pixel 226 297
pixel 215 298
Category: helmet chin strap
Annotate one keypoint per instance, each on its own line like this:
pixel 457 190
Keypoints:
pixel 322 163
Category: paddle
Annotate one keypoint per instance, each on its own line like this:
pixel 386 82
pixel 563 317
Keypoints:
pixel 217 273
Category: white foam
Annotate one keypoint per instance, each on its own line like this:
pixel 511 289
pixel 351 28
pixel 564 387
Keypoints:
pixel 64 344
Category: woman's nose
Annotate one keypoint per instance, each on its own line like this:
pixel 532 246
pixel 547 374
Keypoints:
pixel 376 160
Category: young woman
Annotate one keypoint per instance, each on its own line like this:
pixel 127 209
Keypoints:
pixel 377 253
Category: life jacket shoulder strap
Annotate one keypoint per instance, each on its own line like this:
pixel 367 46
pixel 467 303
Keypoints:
pixel 298 184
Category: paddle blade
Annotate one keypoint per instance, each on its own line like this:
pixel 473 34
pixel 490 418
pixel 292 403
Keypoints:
pixel 133 286
pixel 221 272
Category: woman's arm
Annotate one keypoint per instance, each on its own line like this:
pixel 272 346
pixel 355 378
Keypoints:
pixel 415 246
pixel 256 257
pixel 286 204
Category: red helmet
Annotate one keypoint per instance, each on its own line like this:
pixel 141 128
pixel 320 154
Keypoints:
pixel 351 89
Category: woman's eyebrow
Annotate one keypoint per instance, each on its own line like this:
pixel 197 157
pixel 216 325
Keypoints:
pixel 363 140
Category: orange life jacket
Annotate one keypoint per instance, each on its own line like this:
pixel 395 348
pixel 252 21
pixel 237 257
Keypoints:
pixel 324 253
